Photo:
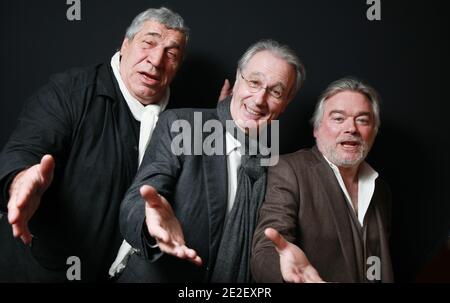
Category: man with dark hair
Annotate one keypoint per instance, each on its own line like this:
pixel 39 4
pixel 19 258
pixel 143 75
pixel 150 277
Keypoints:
pixel 75 151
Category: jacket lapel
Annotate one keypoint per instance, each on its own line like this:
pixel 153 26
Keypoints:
pixel 216 190
pixel 109 88
pixel 334 198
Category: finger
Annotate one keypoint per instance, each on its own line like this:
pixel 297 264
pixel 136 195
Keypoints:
pixel 16 230
pixel 26 235
pixel 191 255
pixel 179 252
pixel 46 169
pixel 189 252
pixel 197 261
pixel 277 239
pixel 184 252
pixel 292 275
pixel 25 239
pixel 296 279
pixel 150 195
pixel 226 90
pixel 21 230
pixel 13 213
pixel 312 276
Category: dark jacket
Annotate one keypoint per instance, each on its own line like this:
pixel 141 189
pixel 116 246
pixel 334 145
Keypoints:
pixel 195 185
pixel 81 118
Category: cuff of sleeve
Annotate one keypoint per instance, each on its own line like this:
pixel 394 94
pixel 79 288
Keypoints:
pixel 151 248
pixel 5 184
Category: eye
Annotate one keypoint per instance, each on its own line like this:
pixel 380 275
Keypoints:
pixel 363 121
pixel 172 54
pixel 254 83
pixel 276 92
pixel 338 119
pixel 149 43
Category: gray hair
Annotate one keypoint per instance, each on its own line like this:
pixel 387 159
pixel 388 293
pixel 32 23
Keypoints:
pixel 280 50
pixel 162 15
pixel 347 84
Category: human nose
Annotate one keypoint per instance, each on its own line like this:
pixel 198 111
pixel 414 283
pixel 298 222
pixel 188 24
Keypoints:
pixel 261 96
pixel 350 126
pixel 155 56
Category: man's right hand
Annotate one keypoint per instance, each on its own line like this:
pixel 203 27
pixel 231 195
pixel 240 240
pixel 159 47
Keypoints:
pixel 165 227
pixel 25 195
pixel 295 266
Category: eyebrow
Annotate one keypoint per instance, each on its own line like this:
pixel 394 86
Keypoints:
pixel 279 83
pixel 172 44
pixel 153 34
pixel 337 111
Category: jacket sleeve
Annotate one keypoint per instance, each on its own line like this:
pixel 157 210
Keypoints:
pixel 44 127
pixel 279 211
pixel 159 168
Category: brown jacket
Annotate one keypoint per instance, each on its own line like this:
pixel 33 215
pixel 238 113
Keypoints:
pixel 305 203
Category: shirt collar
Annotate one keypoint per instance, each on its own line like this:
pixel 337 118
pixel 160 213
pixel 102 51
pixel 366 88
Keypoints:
pixel 366 186
pixel 365 172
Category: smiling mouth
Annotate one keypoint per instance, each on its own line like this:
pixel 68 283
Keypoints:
pixel 252 112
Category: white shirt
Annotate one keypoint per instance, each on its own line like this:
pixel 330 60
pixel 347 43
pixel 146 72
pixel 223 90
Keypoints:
pixel 148 116
pixel 233 164
pixel 366 187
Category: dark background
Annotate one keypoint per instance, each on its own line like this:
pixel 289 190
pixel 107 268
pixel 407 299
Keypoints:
pixel 404 56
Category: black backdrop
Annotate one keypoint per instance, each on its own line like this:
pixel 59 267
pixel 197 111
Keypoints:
pixel 405 56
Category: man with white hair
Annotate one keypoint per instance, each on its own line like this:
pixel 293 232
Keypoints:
pixel 326 203
pixel 190 216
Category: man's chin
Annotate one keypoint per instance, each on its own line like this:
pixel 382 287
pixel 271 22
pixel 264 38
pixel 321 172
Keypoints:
pixel 345 159
pixel 149 96
pixel 350 161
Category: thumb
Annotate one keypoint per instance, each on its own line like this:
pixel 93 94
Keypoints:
pixel 150 195
pixel 278 240
pixel 46 169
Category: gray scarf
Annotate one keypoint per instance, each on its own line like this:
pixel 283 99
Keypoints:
pixel 233 258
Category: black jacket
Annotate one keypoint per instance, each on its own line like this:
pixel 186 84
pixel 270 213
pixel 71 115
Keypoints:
pixel 195 185
pixel 81 118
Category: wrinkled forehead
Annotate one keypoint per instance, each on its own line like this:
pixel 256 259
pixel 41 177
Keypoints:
pixel 270 67
pixel 350 101
pixel 158 30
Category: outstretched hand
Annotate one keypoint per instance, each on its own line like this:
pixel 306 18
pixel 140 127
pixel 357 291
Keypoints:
pixel 294 264
pixel 165 227
pixel 25 195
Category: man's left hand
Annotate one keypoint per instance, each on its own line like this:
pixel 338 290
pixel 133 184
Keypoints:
pixel 226 90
